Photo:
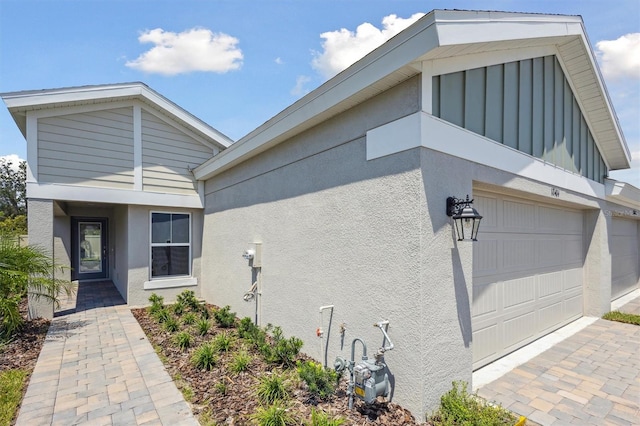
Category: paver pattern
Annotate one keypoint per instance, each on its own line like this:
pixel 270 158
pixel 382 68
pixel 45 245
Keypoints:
pixel 97 367
pixel 591 378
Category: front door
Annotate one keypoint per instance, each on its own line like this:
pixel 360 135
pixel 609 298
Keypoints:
pixel 89 248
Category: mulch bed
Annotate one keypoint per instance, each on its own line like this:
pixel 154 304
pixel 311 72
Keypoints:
pixel 23 349
pixel 239 401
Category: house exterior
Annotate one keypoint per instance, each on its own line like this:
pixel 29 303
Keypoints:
pixel 342 197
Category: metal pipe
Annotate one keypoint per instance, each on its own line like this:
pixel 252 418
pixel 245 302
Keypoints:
pixel 381 325
pixel 351 364
pixel 323 349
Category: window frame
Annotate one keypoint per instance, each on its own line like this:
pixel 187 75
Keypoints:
pixel 189 244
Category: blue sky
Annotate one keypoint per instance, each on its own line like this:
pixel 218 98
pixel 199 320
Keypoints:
pixel 269 52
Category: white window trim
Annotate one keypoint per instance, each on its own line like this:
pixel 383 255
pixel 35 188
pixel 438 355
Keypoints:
pixel 165 281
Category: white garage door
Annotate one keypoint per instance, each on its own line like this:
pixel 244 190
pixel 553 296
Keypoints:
pixel 625 263
pixel 527 273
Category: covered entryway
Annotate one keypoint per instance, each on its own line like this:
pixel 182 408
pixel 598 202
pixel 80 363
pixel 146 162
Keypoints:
pixel 527 273
pixel 89 249
pixel 625 262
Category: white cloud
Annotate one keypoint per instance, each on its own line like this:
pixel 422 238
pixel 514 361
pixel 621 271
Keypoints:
pixel 342 48
pixel 621 57
pixel 197 49
pixel 299 89
pixel 13 159
pixel 279 61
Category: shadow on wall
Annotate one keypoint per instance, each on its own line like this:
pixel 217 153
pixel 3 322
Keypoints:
pixel 463 303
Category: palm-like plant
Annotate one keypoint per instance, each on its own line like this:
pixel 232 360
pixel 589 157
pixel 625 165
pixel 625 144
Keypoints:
pixel 22 269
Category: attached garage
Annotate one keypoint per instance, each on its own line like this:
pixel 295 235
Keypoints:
pixel 625 262
pixel 527 273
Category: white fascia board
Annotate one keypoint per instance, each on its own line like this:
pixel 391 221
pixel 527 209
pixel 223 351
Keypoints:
pixel 422 129
pixel 90 194
pixel 622 193
pixel 392 56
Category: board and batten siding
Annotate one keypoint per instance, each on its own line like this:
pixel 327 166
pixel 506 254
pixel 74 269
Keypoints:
pixel 167 154
pixel 89 149
pixel 527 105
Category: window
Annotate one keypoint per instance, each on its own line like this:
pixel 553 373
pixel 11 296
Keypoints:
pixel 170 245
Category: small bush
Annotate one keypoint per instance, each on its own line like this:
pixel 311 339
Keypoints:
pixel 283 351
pixel 222 342
pixel 320 418
pixel 188 299
pixel 274 415
pixel 183 340
pixel 253 334
pixel 224 317
pixel 161 315
pixel 171 325
pixel 221 388
pixel 205 357
pixel 157 303
pixel 320 381
pixel 189 318
pixel 458 407
pixel 203 325
pixel 178 309
pixel 272 388
pixel 622 317
pixel 240 362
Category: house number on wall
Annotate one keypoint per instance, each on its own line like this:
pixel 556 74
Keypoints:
pixel 555 192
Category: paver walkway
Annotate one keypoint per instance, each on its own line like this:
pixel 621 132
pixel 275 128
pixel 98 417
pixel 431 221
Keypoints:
pixel 97 367
pixel 590 378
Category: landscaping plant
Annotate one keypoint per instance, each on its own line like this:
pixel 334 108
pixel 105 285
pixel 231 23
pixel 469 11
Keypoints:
pixel 622 317
pixel 183 340
pixel 459 407
pixel 205 357
pixel 22 269
pixel 203 326
pixel 224 317
pixel 321 382
pixel 274 415
pixel 273 387
pixel 320 418
pixel 240 362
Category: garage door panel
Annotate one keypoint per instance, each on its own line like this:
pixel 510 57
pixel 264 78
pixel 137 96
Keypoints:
pixel 485 258
pixel 549 315
pixel 549 285
pixel 529 282
pixel 489 208
pixel 518 254
pixel 485 299
pixel 517 292
pixel 518 216
pixel 518 328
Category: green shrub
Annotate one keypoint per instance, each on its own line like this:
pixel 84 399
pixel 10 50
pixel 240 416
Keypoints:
pixel 204 357
pixel 222 342
pixel 178 309
pixel 622 317
pixel 183 340
pixel 320 418
pixel 282 351
pixel 240 362
pixel 161 315
pixel 189 318
pixel 25 268
pixel 171 324
pixel 224 317
pixel 157 303
pixel 221 388
pixel 203 325
pixel 458 407
pixel 253 334
pixel 320 381
pixel 274 415
pixel 188 299
pixel 272 387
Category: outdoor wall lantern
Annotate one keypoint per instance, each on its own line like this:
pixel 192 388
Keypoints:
pixel 465 218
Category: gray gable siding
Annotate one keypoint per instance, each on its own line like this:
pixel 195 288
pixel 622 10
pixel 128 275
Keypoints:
pixel 527 105
pixel 92 148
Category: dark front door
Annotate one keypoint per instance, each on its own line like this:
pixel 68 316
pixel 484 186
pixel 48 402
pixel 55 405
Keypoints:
pixel 89 248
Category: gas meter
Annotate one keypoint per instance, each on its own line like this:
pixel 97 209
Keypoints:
pixel 368 379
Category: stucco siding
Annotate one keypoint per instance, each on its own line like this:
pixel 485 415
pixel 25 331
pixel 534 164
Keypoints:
pixel 167 154
pixel 91 149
